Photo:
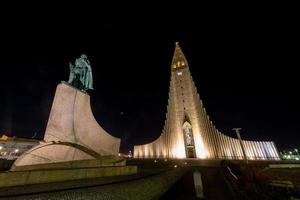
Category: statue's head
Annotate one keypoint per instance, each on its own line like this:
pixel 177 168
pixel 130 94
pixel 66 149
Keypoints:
pixel 83 56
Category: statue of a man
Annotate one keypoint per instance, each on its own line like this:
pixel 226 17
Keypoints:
pixel 81 74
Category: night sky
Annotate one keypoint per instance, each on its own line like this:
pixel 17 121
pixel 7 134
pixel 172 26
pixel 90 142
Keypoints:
pixel 244 64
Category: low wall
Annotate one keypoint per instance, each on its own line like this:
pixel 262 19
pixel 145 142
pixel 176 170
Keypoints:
pixel 104 161
pixel 55 175
pixel 284 166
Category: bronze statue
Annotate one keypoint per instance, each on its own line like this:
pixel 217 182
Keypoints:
pixel 81 74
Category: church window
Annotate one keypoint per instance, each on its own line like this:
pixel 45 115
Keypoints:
pixel 189 137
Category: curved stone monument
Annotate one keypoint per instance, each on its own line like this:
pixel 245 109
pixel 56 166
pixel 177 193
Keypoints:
pixel 72 132
pixel 71 120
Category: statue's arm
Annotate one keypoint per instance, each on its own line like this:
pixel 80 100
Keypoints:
pixel 71 75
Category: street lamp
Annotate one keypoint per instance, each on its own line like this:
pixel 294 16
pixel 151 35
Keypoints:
pixel 1 147
pixel 297 151
pixel 130 154
pixel 237 130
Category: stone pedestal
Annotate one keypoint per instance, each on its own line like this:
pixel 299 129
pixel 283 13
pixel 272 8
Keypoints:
pixel 72 132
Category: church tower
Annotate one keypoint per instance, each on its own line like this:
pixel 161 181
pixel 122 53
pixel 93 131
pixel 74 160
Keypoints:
pixel 182 117
pixel 188 132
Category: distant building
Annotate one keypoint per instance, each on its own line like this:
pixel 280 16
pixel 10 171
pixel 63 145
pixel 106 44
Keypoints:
pixel 290 155
pixel 188 130
pixel 125 154
pixel 13 147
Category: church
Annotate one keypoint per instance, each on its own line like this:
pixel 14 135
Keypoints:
pixel 189 133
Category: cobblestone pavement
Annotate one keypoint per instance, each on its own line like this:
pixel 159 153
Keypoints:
pixel 144 188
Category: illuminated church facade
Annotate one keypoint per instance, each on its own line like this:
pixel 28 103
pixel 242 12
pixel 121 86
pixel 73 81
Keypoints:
pixel 188 131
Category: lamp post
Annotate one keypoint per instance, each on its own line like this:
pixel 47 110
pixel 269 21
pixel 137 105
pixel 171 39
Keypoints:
pixel 237 130
pixel 297 151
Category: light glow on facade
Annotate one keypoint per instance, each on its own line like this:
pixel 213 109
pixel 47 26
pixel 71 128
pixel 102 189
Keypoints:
pixel 201 151
pixel 179 151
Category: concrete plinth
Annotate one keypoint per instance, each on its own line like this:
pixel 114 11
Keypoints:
pixel 103 161
pixel 29 177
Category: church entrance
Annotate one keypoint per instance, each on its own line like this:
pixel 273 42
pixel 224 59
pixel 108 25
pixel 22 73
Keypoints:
pixel 189 140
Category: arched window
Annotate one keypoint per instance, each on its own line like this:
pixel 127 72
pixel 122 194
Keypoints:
pixel 189 140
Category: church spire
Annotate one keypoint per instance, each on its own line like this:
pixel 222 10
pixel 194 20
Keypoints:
pixel 179 60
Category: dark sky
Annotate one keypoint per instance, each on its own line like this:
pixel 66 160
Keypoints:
pixel 244 63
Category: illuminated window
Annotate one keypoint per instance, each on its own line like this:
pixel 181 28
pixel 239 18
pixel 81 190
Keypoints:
pixel 182 63
pixel 179 73
pixel 188 137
